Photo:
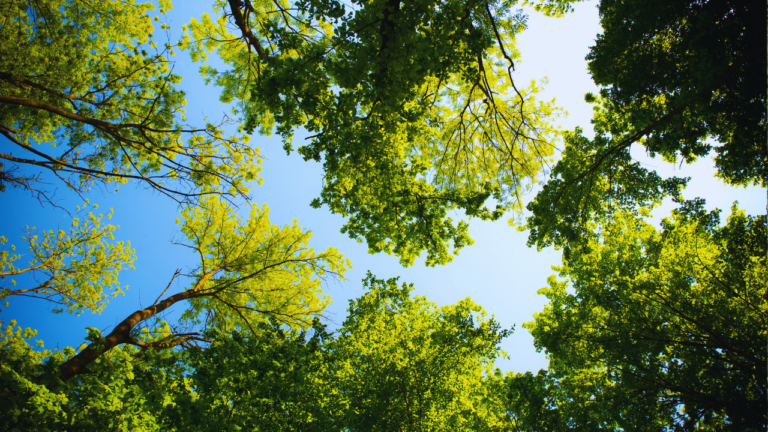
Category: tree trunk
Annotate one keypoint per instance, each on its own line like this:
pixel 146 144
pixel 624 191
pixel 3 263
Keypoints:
pixel 120 335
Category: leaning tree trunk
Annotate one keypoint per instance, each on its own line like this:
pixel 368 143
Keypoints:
pixel 122 333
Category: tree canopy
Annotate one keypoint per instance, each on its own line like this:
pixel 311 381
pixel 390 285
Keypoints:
pixel 76 270
pixel 246 273
pixel 672 322
pixel 674 77
pixel 91 97
pixel 432 360
pixel 411 107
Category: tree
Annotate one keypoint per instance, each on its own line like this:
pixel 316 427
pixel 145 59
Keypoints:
pixel 246 274
pixel 411 107
pixel 702 61
pixel 404 364
pixel 674 322
pixel 90 79
pixel 563 209
pixel 674 76
pixel 650 335
pixel 84 80
pixel 76 270
pixel 126 389
pixel 278 381
pixel 398 363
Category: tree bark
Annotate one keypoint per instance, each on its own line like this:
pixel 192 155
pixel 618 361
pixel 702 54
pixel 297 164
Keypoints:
pixel 120 335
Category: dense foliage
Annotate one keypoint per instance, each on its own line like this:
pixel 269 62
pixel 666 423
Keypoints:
pixel 681 78
pixel 398 363
pixel 671 322
pixel 411 107
pixel 90 95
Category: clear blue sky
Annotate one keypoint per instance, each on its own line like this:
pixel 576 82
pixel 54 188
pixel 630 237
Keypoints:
pixel 498 272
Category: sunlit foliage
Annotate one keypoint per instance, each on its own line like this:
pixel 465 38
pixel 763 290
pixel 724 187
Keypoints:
pixel 410 106
pixel 76 270
pixel 90 96
pixel 671 322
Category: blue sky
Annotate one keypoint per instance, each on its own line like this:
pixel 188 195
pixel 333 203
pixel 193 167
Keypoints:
pixel 498 271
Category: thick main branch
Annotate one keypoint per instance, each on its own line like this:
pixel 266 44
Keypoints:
pixel 122 333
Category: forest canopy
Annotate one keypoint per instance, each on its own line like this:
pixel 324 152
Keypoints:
pixel 412 109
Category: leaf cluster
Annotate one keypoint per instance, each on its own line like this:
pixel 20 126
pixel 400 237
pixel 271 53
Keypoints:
pixel 75 270
pixel 92 98
pixel 410 105
pixel 429 368
pixel 682 79
pixel 674 319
